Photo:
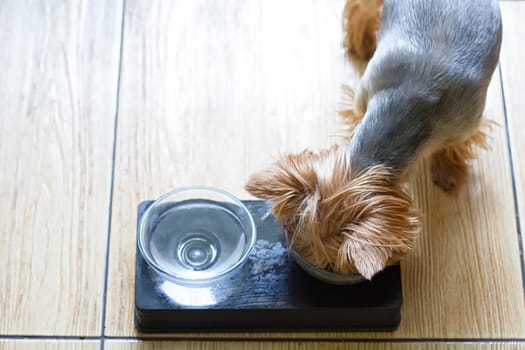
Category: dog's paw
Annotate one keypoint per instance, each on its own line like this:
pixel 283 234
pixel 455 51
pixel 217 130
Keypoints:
pixel 448 170
pixel 446 180
pixel 449 165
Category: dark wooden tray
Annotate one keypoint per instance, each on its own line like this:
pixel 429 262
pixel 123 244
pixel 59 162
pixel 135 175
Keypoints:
pixel 271 292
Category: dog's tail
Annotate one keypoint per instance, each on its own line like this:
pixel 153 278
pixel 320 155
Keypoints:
pixel 361 20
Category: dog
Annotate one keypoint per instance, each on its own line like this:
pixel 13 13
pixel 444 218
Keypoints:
pixel 426 66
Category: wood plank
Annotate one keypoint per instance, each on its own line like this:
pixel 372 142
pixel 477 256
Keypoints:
pixel 463 280
pixel 59 68
pixel 512 56
pixel 260 77
pixel 262 345
pixel 211 91
pixel 49 345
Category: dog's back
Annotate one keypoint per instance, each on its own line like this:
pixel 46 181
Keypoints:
pixel 460 36
pixel 426 83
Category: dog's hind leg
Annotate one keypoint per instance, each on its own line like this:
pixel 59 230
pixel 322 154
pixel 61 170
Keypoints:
pixel 361 20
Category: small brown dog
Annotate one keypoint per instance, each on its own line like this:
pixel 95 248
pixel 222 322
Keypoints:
pixel 423 91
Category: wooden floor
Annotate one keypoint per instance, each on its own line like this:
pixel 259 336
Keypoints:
pixel 107 103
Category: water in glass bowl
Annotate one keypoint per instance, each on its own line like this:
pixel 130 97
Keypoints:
pixel 197 239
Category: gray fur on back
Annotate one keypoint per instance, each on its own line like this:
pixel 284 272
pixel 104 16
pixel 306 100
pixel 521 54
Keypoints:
pixel 426 85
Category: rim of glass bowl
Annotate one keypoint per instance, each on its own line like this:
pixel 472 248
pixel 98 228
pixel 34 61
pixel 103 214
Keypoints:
pixel 177 278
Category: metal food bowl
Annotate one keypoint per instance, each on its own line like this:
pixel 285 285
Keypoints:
pixel 324 275
pixel 321 274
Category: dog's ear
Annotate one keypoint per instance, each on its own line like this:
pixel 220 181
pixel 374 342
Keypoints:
pixel 367 259
pixel 287 182
pixel 379 225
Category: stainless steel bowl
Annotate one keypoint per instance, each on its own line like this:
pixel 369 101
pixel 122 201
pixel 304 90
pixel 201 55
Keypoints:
pixel 321 274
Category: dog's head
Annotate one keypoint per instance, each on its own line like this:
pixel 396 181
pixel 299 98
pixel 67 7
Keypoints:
pixel 336 220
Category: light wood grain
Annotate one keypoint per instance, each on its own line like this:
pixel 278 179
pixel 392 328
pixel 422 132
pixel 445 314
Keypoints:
pixel 211 91
pixel 513 71
pixel 49 345
pixel 255 78
pixel 58 68
pixel 464 277
pixel 264 345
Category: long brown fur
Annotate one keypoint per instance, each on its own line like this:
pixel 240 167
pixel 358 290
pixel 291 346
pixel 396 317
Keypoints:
pixel 336 220
pixel 352 111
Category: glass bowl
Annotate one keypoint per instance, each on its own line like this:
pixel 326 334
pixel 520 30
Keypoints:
pixel 196 236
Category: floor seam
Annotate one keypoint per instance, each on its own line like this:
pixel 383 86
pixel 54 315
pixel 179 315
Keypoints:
pixel 267 339
pixel 513 177
pixel 113 157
